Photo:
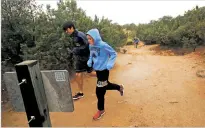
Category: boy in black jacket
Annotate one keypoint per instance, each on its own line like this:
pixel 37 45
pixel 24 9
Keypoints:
pixel 81 54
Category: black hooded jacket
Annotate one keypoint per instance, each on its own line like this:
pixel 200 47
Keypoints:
pixel 80 44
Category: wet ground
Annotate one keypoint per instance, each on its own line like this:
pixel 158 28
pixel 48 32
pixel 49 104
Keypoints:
pixel 159 91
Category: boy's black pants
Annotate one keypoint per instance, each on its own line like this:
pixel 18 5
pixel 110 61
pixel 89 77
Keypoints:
pixel 102 79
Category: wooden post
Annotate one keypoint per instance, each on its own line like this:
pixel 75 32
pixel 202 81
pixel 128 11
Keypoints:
pixel 33 93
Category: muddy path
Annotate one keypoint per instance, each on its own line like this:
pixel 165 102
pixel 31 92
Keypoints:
pixel 159 91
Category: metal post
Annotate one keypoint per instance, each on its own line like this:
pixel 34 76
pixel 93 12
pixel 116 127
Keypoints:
pixel 33 93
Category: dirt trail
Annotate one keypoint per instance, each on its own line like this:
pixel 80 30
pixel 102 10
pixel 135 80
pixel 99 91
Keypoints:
pixel 159 91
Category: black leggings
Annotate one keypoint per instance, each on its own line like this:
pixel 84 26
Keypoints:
pixel 100 91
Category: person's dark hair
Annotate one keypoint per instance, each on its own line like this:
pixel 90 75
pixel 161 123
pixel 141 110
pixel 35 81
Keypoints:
pixel 67 25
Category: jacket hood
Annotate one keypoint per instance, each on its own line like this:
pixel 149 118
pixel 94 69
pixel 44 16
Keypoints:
pixel 94 33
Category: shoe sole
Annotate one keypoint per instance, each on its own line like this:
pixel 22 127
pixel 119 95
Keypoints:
pixel 78 98
pixel 122 90
pixel 99 117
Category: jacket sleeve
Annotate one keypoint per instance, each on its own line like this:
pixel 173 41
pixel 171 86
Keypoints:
pixel 89 63
pixel 112 55
pixel 84 41
pixel 83 48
